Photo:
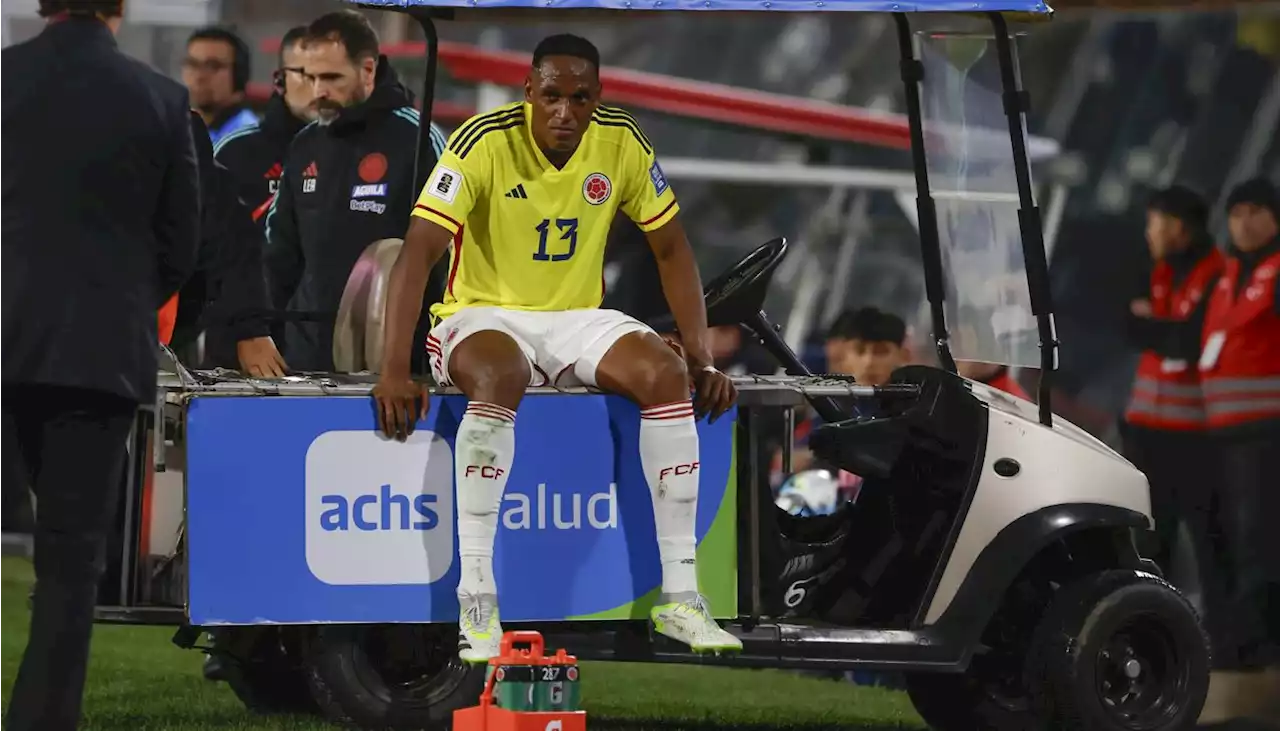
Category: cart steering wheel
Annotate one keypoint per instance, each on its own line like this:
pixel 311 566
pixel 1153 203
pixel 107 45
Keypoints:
pixel 739 292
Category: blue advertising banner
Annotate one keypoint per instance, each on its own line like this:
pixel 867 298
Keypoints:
pixel 299 511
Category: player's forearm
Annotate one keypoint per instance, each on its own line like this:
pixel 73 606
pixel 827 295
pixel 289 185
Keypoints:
pixel 407 282
pixel 682 286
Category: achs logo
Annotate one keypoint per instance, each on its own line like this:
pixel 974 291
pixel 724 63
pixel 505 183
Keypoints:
pixel 309 175
pixel 379 511
pixel 596 188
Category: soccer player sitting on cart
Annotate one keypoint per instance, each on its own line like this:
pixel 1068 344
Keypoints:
pixel 526 195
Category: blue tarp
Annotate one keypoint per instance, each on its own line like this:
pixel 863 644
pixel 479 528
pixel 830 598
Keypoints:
pixel 794 6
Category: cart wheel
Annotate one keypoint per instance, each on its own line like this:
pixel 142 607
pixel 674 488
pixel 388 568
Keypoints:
pixel 397 676
pixel 992 693
pixel 1119 651
pixel 982 698
pixel 262 670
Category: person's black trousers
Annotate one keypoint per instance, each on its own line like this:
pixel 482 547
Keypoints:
pixel 72 444
pixel 1249 521
pixel 1182 468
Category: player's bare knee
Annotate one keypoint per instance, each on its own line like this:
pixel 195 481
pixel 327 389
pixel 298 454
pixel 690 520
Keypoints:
pixel 665 379
pixel 490 367
pixel 499 382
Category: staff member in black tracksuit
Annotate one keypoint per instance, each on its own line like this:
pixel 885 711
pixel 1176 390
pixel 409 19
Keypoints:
pixel 101 227
pixel 255 154
pixel 348 181
pixel 1164 423
pixel 226 297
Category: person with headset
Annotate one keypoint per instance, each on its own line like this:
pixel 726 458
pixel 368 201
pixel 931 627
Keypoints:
pixel 255 153
pixel 215 72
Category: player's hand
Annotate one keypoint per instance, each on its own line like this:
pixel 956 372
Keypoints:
pixel 1141 308
pixel 715 392
pixel 259 358
pixel 400 403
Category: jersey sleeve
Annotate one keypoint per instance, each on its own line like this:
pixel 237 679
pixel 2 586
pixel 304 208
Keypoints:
pixel 454 187
pixel 649 201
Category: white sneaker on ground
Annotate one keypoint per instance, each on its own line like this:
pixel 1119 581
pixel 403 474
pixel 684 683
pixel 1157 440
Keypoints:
pixel 689 621
pixel 479 632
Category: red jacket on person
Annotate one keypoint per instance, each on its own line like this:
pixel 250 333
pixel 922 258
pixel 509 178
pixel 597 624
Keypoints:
pixel 1005 382
pixel 1166 391
pixel 1240 352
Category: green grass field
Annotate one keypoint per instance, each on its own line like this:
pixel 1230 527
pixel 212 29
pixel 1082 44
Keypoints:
pixel 139 681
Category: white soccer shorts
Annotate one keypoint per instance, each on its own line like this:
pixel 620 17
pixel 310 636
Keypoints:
pixel 563 348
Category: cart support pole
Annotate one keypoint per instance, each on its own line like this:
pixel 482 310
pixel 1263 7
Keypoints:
pixel 426 159
pixel 424 163
pixel 930 249
pixel 1029 225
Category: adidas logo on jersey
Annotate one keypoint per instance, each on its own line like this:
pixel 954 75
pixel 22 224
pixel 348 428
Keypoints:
pixel 517 192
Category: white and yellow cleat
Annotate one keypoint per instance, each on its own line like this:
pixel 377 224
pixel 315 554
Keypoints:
pixel 689 622
pixel 479 632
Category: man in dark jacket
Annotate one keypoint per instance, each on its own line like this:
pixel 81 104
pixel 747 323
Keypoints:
pixel 254 154
pixel 226 297
pixel 348 181
pixel 101 224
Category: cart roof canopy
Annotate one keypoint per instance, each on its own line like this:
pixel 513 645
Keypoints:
pixel 785 6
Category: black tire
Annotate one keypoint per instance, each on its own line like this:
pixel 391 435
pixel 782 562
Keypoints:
pixel 1119 651
pixel 391 676
pixel 263 671
pixel 991 694
pixel 979 699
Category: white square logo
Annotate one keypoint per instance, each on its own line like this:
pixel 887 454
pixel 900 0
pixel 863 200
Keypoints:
pixel 379 511
pixel 445 183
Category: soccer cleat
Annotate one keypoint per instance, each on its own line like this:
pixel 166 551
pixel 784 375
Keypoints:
pixel 479 632
pixel 690 623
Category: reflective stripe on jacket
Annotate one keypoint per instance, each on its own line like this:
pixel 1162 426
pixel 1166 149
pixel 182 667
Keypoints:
pixel 1166 391
pixel 1240 352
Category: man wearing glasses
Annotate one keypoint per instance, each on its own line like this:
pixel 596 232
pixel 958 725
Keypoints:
pixel 348 181
pixel 215 72
pixel 254 154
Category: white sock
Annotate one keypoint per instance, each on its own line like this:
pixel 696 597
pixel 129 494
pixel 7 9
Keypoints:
pixel 486 446
pixel 669 455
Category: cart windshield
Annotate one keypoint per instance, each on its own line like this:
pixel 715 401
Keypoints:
pixel 972 181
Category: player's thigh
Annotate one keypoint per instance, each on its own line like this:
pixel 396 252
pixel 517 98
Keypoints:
pixel 479 351
pixel 622 355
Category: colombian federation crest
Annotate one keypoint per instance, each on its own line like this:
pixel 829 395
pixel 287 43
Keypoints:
pixel 596 188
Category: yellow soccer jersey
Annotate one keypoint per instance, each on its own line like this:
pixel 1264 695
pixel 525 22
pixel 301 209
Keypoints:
pixel 528 236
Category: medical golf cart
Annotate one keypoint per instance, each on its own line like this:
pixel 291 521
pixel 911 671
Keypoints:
pixel 989 555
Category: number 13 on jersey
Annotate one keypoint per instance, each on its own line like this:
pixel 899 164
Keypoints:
pixel 568 228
